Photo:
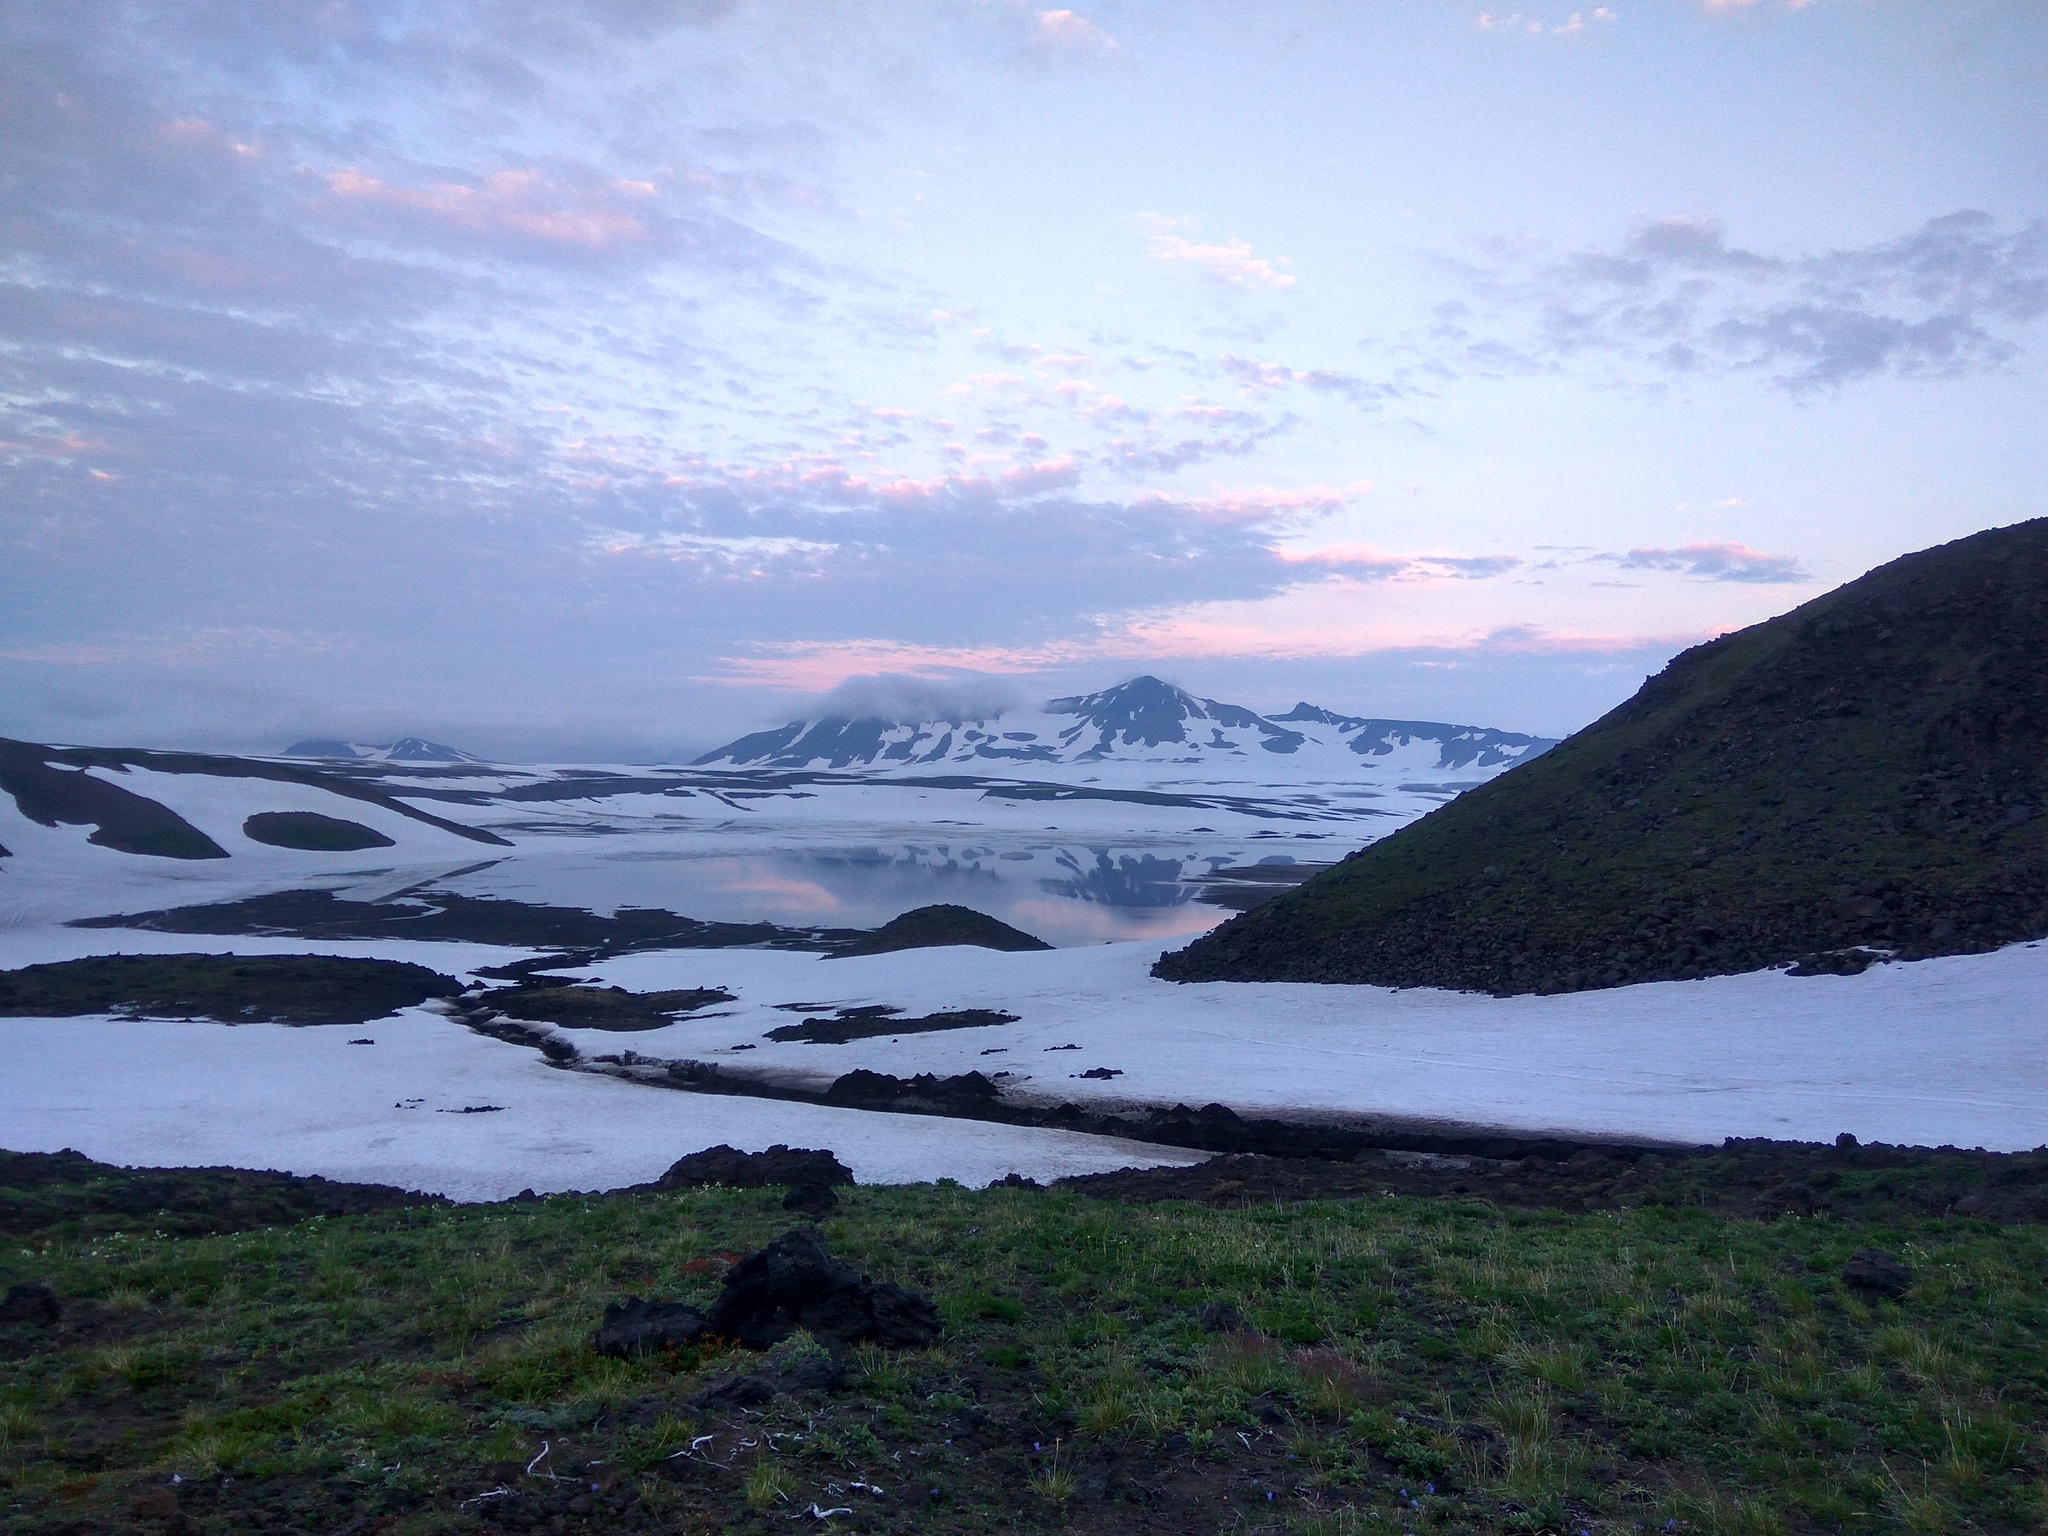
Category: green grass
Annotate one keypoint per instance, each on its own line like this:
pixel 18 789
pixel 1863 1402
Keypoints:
pixel 1410 1366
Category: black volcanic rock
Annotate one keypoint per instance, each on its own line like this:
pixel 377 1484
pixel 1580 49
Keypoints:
pixel 795 1283
pixel 797 1167
pixel 637 1326
pixel 935 926
pixel 1877 1273
pixel 1864 776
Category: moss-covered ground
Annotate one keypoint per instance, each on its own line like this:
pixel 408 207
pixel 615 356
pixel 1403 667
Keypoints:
pixel 1393 1365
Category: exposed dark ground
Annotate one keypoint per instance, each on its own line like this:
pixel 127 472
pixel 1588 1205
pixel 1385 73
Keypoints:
pixel 432 914
pixel 312 832
pixel 68 1195
pixel 926 927
pixel 589 1007
pixel 582 936
pixel 1754 1180
pixel 1867 773
pixel 120 818
pixel 235 989
pixel 48 788
pixel 878 1021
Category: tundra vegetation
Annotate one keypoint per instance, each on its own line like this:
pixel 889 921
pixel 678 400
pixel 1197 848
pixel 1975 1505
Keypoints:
pixel 1379 1363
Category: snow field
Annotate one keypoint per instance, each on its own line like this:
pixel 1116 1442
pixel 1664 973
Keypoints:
pixel 169 1094
pixel 1951 1050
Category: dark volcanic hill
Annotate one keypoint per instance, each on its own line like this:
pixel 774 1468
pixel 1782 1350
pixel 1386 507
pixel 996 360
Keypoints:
pixel 1864 773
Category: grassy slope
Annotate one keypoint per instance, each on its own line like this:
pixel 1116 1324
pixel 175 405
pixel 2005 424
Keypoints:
pixel 1412 1366
pixel 1868 769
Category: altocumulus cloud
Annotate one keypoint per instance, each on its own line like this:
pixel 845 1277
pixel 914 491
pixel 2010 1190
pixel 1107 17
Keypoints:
pixel 1713 562
pixel 1676 298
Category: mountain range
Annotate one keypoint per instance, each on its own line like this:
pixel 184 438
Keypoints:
pixel 1141 721
pixel 407 749
pixel 1862 778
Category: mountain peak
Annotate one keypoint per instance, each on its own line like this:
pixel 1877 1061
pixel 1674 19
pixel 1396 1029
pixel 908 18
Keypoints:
pixel 1145 719
pixel 407 749
pixel 1144 711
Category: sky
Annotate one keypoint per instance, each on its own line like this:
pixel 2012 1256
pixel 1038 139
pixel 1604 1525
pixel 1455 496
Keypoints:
pixel 601 380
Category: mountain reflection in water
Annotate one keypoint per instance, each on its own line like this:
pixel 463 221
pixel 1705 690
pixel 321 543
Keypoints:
pixel 1064 892
pixel 1126 880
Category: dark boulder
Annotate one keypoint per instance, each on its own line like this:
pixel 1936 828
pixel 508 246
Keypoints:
pixel 812 1372
pixel 795 1283
pixel 1877 1273
pixel 31 1302
pixel 796 1167
pixel 734 1392
pixel 792 1283
pixel 810 1199
pixel 646 1327
pixel 925 1093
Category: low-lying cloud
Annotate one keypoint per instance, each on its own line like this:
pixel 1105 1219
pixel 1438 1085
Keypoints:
pixel 903 699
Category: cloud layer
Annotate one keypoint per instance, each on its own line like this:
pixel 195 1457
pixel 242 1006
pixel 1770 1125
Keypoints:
pixel 560 368
pixel 1950 298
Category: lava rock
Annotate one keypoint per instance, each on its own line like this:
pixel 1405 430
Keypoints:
pixel 31 1302
pixel 811 1199
pixel 734 1392
pixel 155 1504
pixel 1878 1273
pixel 925 1093
pixel 734 1169
pixel 813 1373
pixel 636 1327
pixel 792 1283
pixel 796 1283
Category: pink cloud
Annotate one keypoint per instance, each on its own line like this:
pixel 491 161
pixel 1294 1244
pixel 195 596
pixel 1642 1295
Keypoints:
pixel 1268 504
pixel 816 666
pixel 524 203
pixel 1230 263
pixel 1070 32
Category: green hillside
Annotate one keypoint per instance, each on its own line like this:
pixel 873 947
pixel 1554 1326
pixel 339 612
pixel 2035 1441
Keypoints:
pixel 1863 775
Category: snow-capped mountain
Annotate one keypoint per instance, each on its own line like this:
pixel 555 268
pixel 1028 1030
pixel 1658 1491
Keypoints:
pixel 1142 721
pixel 407 749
